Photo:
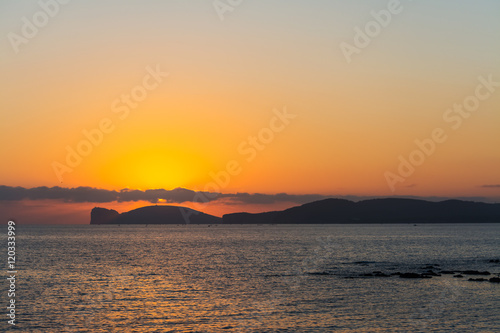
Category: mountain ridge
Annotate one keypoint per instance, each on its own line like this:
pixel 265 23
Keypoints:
pixel 325 211
pixel 380 210
pixel 152 215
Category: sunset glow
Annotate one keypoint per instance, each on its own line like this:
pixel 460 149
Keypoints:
pixel 150 100
pixel 250 165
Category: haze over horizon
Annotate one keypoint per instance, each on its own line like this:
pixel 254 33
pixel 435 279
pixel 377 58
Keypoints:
pixel 303 99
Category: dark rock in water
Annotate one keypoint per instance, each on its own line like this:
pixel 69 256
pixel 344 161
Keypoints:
pixel 478 280
pixel 494 261
pixel 431 273
pixel 396 273
pixel 364 263
pixel 375 274
pixel 414 276
pixel 495 279
pixel 458 276
pixel 447 272
pixel 319 273
pixel 475 273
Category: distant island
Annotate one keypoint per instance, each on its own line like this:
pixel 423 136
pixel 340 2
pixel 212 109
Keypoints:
pixel 152 215
pixel 328 211
pixel 389 210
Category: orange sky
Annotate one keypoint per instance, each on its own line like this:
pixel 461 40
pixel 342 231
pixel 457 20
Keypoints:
pixel 95 64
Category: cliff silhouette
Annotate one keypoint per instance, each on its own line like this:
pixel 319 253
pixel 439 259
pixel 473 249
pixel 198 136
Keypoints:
pixel 152 215
pixel 389 210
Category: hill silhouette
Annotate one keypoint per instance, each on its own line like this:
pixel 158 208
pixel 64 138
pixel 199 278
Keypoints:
pixel 152 215
pixel 390 210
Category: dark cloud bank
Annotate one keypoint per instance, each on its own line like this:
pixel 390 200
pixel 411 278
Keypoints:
pixel 176 196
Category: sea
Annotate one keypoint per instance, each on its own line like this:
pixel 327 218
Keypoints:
pixel 253 278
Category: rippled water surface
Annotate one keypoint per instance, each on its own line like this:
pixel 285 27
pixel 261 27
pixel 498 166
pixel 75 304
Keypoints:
pixel 269 278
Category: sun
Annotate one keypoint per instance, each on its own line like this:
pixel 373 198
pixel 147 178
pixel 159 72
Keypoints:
pixel 152 169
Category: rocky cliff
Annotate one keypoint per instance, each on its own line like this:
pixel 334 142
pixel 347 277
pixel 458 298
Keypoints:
pixel 152 215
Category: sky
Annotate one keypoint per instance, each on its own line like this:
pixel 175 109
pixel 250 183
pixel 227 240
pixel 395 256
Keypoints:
pixel 309 98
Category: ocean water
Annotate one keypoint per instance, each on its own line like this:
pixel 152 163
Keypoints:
pixel 253 278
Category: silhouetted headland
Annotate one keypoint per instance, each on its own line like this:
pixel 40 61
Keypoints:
pixel 388 210
pixel 326 211
pixel 152 215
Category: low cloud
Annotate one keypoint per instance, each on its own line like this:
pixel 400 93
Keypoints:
pixel 178 195
pixel 491 186
pixel 79 194
pixel 182 195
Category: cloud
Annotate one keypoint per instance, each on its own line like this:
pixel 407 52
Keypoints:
pixel 491 186
pixel 79 194
pixel 258 198
pixel 177 195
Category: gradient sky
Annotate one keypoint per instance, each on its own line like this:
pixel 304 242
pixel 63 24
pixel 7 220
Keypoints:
pixel 353 120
